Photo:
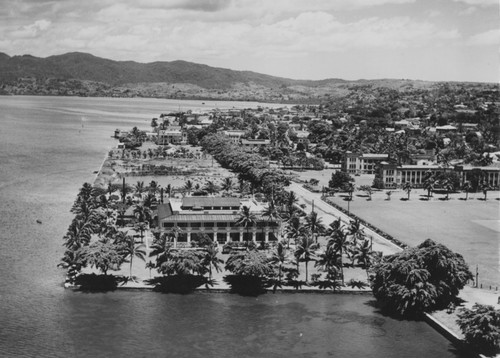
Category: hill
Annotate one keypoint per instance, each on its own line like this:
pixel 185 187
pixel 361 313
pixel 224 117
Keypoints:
pixel 87 75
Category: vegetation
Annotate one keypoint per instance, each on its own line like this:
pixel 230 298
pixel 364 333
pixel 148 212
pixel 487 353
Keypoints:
pixel 419 279
pixel 481 328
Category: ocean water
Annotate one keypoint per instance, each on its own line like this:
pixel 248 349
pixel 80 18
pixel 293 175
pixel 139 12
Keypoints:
pixel 50 146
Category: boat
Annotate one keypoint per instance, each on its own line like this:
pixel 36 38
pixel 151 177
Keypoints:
pixel 38 221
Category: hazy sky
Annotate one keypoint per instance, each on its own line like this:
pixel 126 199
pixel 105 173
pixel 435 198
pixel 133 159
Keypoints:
pixel 302 39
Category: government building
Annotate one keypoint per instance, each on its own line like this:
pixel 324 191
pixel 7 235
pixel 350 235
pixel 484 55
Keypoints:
pixel 216 217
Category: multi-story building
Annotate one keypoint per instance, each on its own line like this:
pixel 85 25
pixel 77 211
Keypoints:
pixel 393 175
pixel 172 135
pixel 362 163
pixel 215 217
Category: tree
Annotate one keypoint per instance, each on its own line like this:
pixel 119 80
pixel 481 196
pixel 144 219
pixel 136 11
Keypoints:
pixel 227 184
pixel 211 259
pixel 131 250
pixel 467 187
pixel 339 180
pixel 279 259
pixel 349 188
pixel 484 186
pixel 339 240
pixel 305 251
pixel 246 219
pixel 481 328
pixel 429 185
pixel 249 263
pixel 367 189
pixel 139 188
pixel 272 214
pixel 407 187
pixel 104 255
pixel 314 224
pixel 419 279
pixel 331 262
pixel 188 186
pixel 210 187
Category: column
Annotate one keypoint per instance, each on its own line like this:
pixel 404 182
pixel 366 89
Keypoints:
pixel 241 235
pixel 228 236
pixel 188 236
pixel 266 236
pixel 254 235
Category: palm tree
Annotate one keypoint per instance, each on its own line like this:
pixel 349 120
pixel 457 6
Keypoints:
pixel 294 229
pixel 188 186
pixel 246 219
pixel 227 184
pixel 407 187
pixel 141 227
pixel 429 185
pixel 211 259
pixel 484 186
pixel 272 214
pixel 330 262
pixel 315 224
pixel 153 187
pixel 339 240
pixel 362 254
pixel 143 213
pixel 467 187
pixel 131 250
pixel 279 259
pixel 292 199
pixel 305 251
pixel 139 188
pixel 210 187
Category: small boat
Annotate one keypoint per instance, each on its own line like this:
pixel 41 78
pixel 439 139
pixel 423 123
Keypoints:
pixel 38 221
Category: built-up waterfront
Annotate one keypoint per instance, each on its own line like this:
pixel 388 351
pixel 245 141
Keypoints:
pixel 49 147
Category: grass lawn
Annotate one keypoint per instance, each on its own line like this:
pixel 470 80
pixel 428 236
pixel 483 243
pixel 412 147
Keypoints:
pixel 470 227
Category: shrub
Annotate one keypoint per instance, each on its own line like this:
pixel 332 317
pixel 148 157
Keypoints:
pixel 481 328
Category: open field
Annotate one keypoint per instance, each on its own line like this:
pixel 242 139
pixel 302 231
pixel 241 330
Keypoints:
pixel 471 228
pixel 198 170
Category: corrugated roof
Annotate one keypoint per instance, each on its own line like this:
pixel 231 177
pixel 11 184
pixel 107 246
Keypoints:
pixel 203 201
pixel 202 217
pixel 164 210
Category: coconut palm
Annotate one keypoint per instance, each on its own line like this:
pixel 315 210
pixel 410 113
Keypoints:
pixel 272 214
pixel 143 213
pixel 227 184
pixel 210 187
pixel 246 219
pixel 407 188
pixel 188 186
pixel 330 262
pixel 153 187
pixel 141 227
pixel 211 259
pixel 484 186
pixel 314 224
pixel 131 250
pixel 279 259
pixel 291 200
pixel 339 240
pixel 294 229
pixel 362 254
pixel 429 185
pixel 467 187
pixel 305 251
pixel 139 188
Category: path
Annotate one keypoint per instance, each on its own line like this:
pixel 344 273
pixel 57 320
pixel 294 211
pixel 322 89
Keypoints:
pixel 329 214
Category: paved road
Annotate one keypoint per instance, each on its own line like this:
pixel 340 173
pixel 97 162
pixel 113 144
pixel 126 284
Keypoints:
pixel 329 214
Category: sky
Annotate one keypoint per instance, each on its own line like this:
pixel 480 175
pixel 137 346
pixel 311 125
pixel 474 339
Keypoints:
pixel 436 40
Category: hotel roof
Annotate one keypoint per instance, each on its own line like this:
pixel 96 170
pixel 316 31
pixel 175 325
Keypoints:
pixel 202 201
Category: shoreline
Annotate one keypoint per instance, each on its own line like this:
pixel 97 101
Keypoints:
pixel 432 318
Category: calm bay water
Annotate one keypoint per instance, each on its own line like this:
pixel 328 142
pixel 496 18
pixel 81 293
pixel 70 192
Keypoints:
pixel 49 146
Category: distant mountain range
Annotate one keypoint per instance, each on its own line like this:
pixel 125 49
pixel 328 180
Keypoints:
pixel 87 75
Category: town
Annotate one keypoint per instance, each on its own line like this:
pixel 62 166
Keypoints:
pixel 238 199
